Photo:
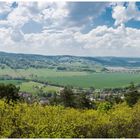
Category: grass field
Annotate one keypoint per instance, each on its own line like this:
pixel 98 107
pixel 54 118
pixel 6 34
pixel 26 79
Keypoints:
pixel 34 87
pixel 32 72
pixel 76 79
pixel 97 80
pixel 15 82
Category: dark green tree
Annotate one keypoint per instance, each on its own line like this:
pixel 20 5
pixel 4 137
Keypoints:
pixel 132 96
pixel 83 101
pixel 9 92
pixel 67 97
pixel 113 99
pixel 54 99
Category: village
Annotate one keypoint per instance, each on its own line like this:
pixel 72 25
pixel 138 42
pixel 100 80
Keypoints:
pixel 92 94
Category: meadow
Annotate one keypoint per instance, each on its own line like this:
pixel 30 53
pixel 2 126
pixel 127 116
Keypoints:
pixel 63 78
pixel 35 87
pixel 97 80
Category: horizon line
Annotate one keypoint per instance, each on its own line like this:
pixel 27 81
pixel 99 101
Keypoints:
pixel 18 53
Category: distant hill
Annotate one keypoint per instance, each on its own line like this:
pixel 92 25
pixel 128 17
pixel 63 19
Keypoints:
pixel 65 62
pixel 116 61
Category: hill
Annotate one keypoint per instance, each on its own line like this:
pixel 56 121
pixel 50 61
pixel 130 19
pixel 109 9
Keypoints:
pixel 65 62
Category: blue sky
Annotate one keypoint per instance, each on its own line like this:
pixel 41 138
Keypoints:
pixel 71 28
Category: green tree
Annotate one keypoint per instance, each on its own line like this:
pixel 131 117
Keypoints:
pixel 132 96
pixel 9 92
pixel 54 99
pixel 67 97
pixel 83 101
pixel 113 99
pixel 104 107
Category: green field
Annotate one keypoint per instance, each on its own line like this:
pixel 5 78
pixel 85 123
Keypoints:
pixel 15 82
pixel 32 73
pixel 34 87
pixel 72 78
pixel 97 80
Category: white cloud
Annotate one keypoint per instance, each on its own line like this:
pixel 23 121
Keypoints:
pixel 120 41
pixel 5 7
pixel 16 35
pixel 46 13
pixel 122 14
pixel 55 39
pixel 100 41
pixel 18 17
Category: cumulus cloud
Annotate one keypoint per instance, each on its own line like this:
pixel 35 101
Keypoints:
pixel 21 15
pixel 51 14
pixel 5 7
pixel 46 13
pixel 100 41
pixel 51 31
pixel 122 14
pixel 16 35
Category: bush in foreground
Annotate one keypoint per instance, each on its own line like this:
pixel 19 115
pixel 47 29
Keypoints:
pixel 21 120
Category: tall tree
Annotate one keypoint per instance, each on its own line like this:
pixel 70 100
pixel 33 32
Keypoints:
pixel 67 97
pixel 9 92
pixel 83 101
pixel 132 96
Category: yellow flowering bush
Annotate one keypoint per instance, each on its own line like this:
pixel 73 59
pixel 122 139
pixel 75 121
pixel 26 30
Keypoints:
pixel 22 120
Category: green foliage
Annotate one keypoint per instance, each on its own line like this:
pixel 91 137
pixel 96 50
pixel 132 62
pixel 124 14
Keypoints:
pixel 9 92
pixel 22 120
pixel 83 102
pixel 67 97
pixel 132 96
pixel 55 99
pixel 114 99
pixel 104 107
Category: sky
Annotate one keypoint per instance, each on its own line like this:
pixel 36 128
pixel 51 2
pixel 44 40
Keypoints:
pixel 71 28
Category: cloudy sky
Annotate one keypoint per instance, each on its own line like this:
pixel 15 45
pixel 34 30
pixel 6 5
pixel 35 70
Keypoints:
pixel 71 28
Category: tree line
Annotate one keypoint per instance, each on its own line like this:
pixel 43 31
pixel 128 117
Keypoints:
pixel 68 98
